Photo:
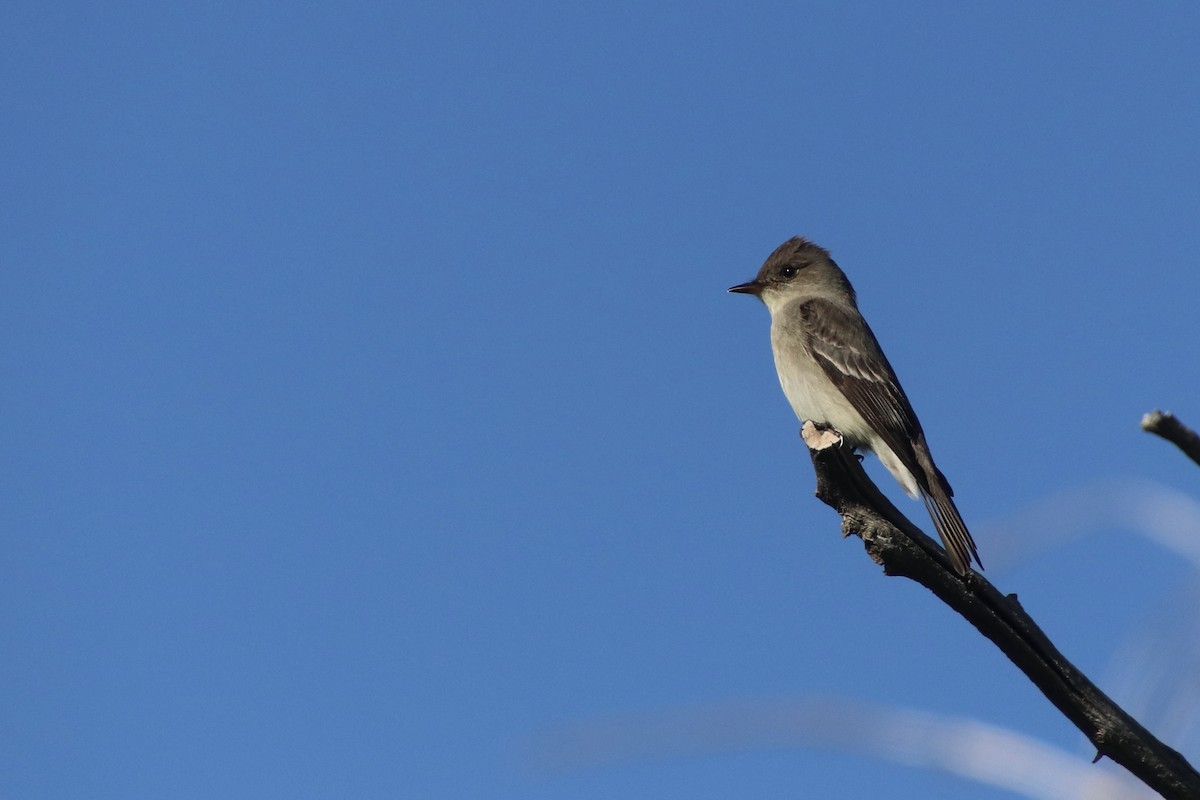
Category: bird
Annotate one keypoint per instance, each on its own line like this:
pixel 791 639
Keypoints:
pixel 834 373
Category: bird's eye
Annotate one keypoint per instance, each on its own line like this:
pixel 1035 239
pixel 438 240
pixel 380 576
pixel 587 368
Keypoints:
pixel 788 272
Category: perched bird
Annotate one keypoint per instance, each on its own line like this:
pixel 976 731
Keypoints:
pixel 834 373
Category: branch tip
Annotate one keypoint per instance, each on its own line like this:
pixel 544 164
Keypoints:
pixel 1168 426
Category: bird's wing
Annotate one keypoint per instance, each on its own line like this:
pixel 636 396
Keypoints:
pixel 840 341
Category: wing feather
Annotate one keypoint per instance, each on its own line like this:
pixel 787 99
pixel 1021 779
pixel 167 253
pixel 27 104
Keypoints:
pixel 841 342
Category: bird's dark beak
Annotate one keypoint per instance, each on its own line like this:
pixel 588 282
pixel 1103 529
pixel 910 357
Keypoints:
pixel 753 287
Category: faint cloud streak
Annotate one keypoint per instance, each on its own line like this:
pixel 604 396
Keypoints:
pixel 983 753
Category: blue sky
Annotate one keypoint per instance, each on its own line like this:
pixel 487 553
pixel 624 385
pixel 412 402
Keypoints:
pixel 377 424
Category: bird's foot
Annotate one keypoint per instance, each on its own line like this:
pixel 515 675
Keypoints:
pixel 819 436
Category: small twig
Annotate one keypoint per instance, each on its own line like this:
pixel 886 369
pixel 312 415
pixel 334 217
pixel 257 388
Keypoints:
pixel 1166 425
pixel 902 549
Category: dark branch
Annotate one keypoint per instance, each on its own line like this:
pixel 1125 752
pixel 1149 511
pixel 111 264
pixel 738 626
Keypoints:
pixel 1166 425
pixel 902 549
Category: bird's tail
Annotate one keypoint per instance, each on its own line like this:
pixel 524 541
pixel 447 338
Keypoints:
pixel 960 547
pixel 937 494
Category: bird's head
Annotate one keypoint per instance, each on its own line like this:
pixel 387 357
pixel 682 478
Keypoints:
pixel 798 269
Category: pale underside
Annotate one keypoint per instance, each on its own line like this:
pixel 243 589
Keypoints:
pixel 813 396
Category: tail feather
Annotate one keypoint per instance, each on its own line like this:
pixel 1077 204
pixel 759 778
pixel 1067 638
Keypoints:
pixel 937 494
pixel 960 547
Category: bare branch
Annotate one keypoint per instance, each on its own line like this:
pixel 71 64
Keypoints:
pixel 902 549
pixel 1166 425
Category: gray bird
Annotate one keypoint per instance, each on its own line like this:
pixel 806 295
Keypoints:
pixel 833 372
